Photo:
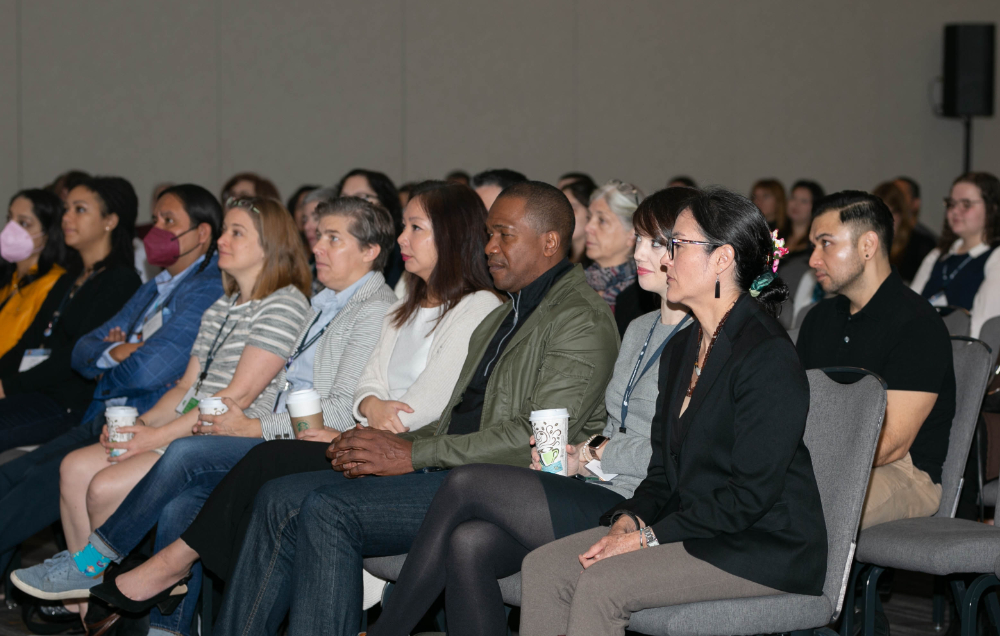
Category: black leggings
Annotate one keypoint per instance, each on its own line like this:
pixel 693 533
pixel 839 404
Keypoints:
pixel 484 520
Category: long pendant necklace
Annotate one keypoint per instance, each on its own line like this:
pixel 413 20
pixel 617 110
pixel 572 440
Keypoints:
pixel 708 352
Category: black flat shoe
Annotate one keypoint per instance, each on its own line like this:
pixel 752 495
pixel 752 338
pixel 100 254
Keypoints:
pixel 166 601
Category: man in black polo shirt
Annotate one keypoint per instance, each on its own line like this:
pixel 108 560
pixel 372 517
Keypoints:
pixel 877 323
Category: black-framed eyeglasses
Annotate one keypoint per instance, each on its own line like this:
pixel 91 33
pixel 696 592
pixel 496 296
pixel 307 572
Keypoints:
pixel 242 203
pixel 676 241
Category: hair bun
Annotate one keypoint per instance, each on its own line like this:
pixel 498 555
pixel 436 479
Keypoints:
pixel 771 297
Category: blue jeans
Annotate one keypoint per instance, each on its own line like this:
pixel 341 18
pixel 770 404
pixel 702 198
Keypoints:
pixel 29 487
pixel 169 497
pixel 304 548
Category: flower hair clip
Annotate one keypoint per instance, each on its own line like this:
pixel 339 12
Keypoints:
pixel 778 250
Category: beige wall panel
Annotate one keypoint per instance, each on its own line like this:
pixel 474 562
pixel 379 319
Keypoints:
pixel 489 85
pixel 8 99
pixel 310 89
pixel 120 87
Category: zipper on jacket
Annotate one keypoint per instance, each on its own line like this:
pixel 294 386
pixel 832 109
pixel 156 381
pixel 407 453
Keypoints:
pixel 517 308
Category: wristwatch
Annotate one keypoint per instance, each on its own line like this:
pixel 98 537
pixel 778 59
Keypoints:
pixel 651 541
pixel 593 444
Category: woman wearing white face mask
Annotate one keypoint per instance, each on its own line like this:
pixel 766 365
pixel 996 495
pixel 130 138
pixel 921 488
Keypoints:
pixel 32 245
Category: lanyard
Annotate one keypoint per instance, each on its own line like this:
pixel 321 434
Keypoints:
pixel 213 350
pixel 140 317
pixel 304 346
pixel 944 271
pixel 68 296
pixel 636 376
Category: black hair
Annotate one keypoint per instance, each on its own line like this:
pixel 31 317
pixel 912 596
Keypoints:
pixel 67 181
pixel 459 176
pixel 656 213
pixel 578 176
pixel 727 218
pixel 581 189
pixel 864 212
pixel 914 186
pixel 684 180
pixel 292 200
pixel 117 196
pixel 815 189
pixel 501 177
pixel 48 208
pixel 201 206
pixel 548 209
pixel 384 189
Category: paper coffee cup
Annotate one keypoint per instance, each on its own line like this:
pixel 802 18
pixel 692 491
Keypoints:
pixel 305 410
pixel 551 428
pixel 212 406
pixel 116 417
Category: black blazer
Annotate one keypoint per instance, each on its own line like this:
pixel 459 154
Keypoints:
pixel 732 477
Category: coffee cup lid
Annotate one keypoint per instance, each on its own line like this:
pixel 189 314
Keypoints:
pixel 548 414
pixel 210 400
pixel 121 410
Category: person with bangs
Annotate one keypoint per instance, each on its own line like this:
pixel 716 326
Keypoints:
pixel 32 245
pixel 486 517
pixel 376 187
pixel 244 340
pixel 41 395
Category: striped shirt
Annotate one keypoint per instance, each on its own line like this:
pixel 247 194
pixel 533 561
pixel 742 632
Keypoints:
pixel 272 324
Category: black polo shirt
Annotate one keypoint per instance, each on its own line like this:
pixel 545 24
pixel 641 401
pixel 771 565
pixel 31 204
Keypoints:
pixel 899 336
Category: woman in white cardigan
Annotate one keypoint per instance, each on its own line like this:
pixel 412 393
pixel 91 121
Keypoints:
pixel 425 336
pixel 964 270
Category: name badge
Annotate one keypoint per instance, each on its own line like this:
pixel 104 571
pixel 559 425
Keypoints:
pixel 939 299
pixel 190 401
pixel 152 325
pixel 34 357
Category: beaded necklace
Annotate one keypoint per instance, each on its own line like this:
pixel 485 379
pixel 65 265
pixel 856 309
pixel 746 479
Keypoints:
pixel 708 352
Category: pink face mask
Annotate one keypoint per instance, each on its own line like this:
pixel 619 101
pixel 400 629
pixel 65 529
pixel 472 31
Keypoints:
pixel 16 244
pixel 162 247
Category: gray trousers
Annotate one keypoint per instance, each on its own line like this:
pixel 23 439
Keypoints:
pixel 559 597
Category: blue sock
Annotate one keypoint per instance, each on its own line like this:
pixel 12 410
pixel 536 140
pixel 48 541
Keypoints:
pixel 91 562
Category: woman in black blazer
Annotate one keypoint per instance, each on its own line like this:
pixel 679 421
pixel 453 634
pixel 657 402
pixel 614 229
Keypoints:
pixel 729 507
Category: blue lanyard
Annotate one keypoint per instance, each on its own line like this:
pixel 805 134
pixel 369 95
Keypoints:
pixel 636 376
pixel 944 271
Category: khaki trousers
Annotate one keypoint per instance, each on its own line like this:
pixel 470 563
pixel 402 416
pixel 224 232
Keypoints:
pixel 559 597
pixel 899 490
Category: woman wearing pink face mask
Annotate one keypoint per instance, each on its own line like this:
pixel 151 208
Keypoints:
pixel 31 244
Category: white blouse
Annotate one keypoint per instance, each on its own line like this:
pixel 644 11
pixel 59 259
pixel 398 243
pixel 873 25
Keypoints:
pixel 986 303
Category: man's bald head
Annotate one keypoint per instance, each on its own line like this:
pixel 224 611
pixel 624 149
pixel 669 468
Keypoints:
pixel 547 209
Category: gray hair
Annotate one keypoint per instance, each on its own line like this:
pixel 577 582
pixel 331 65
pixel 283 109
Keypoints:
pixel 321 194
pixel 623 199
pixel 371 224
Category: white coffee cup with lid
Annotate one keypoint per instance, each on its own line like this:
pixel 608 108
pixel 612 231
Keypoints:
pixel 117 417
pixel 305 410
pixel 551 429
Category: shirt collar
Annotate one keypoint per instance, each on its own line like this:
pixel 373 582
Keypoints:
pixel 975 252
pixel 883 303
pixel 329 299
pixel 165 277
pixel 533 293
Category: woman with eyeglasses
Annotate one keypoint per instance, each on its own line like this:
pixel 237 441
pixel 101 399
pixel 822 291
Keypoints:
pixel 486 518
pixel 729 507
pixel 244 341
pixel 610 238
pixel 376 187
pixel 964 269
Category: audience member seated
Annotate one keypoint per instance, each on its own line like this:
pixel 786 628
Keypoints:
pixel 64 183
pixel 41 396
pixel 309 227
pixel 552 346
pixel 570 177
pixel 490 183
pixel 486 518
pixel 376 187
pixel 297 201
pixel 247 185
pixel 909 248
pixel 159 322
pixel 405 193
pixel 240 348
pixel 610 239
pixel 578 191
pixel 924 238
pixel 329 357
pixel 769 197
pixel 964 270
pixel 795 264
pixel 876 323
pixel 729 496
pixel 32 245
pixel 682 181
pixel 460 177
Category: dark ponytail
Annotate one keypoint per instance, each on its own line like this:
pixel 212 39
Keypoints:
pixel 727 218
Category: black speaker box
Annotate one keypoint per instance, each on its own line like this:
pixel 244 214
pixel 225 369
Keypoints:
pixel 969 70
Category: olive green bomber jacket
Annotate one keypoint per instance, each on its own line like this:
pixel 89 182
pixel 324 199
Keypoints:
pixel 562 357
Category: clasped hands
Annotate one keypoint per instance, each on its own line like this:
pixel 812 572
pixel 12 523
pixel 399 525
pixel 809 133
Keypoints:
pixel 368 451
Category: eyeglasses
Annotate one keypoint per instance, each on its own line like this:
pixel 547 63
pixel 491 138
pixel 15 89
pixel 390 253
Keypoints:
pixel 964 204
pixel 677 241
pixel 244 204
pixel 627 189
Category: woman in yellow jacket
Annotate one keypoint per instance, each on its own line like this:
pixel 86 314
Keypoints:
pixel 33 252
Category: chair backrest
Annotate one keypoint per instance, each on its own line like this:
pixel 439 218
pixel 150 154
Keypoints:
pixel 957 319
pixel 990 334
pixel 841 433
pixel 800 315
pixel 973 362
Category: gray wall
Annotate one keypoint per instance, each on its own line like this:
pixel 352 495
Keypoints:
pixel 303 90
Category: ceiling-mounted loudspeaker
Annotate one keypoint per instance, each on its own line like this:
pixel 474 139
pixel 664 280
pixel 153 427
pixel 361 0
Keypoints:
pixel 969 56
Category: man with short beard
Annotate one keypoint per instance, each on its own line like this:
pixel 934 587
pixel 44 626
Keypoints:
pixel 877 323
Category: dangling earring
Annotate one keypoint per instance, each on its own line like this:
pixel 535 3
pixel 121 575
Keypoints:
pixel 717 294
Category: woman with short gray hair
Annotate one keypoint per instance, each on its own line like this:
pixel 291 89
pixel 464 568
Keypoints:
pixel 611 239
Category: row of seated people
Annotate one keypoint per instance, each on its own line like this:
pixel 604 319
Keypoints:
pixel 712 471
